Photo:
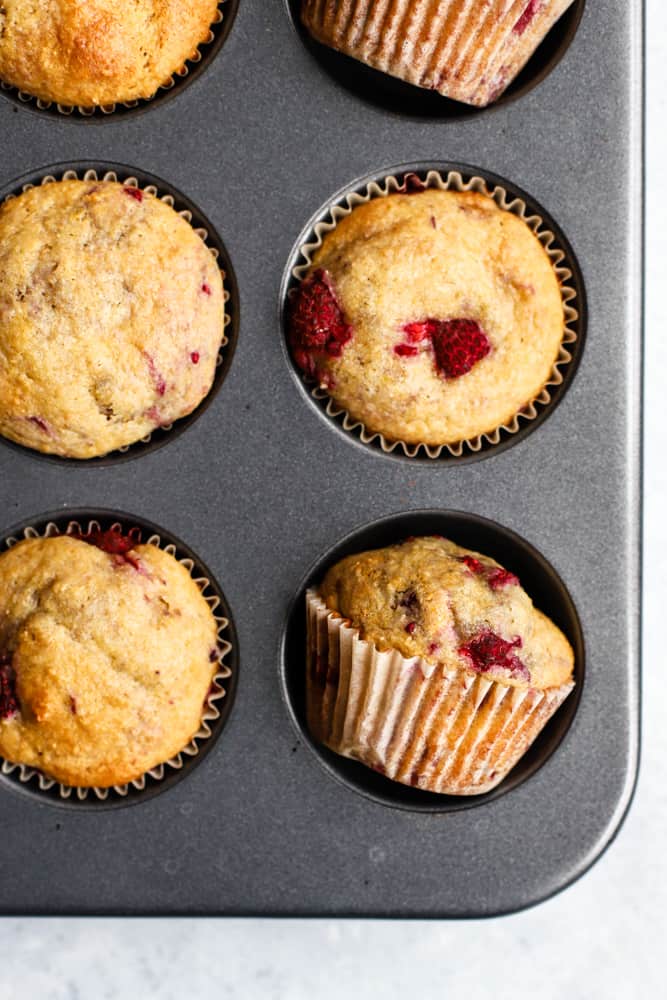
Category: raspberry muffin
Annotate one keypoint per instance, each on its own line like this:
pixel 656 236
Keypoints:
pixel 430 664
pixel 111 317
pixel 431 317
pixel 465 50
pixel 98 52
pixel 107 654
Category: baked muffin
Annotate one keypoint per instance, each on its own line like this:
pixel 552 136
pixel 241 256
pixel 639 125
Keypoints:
pixel 466 50
pixel 429 663
pixel 111 317
pixel 107 654
pixel 98 52
pixel 431 317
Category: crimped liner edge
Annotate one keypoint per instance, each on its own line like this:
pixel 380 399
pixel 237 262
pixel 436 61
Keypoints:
pixel 210 714
pixel 452 181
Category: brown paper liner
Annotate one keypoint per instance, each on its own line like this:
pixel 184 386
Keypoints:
pixel 108 109
pixel 442 730
pixel 211 711
pixel 467 52
pixel 452 181
pixel 111 175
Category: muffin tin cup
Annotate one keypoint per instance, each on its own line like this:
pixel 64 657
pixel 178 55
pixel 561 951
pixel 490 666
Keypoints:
pixel 414 178
pixel 158 188
pixel 200 59
pixel 223 685
pixel 442 730
pixel 397 97
pixel 352 703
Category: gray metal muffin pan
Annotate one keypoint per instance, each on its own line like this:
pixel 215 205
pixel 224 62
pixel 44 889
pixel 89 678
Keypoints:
pixel 262 490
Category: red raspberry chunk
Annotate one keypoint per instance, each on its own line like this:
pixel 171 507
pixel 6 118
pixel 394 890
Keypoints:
pixel 317 325
pixel 488 651
pixel 458 344
pixel 9 705
pixel 529 13
pixel 495 576
pixel 116 544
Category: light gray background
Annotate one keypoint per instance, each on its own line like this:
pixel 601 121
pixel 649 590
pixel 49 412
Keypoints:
pixel 603 937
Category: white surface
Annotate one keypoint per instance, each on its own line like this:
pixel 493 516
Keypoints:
pixel 602 938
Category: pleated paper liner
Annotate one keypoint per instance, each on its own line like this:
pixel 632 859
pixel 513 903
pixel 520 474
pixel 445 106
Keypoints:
pixel 444 731
pixel 218 702
pixel 517 46
pixel 395 55
pixel 468 52
pixel 564 265
pixel 200 59
pixel 158 188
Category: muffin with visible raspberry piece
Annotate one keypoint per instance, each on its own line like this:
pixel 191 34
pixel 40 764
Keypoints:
pixel 98 52
pixel 108 651
pixel 465 50
pixel 429 663
pixel 111 317
pixel 431 316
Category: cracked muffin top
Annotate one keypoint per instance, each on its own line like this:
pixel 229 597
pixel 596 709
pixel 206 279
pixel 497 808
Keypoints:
pixel 431 598
pixel 111 317
pixel 107 654
pixel 431 317
pixel 98 52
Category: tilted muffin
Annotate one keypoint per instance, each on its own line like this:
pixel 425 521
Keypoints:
pixel 429 663
pixel 111 317
pixel 98 52
pixel 466 50
pixel 431 317
pixel 107 654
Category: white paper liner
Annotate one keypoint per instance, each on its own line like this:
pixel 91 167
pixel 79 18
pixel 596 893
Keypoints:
pixel 210 714
pixel 453 181
pixel 168 199
pixel 468 52
pixel 446 731
pixel 108 109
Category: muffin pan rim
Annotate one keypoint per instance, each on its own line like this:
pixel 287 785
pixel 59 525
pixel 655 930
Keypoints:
pixel 159 437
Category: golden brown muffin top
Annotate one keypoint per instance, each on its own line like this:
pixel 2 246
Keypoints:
pixel 431 598
pixel 98 52
pixel 111 317
pixel 431 317
pixel 106 658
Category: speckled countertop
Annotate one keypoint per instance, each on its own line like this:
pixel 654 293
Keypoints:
pixel 603 937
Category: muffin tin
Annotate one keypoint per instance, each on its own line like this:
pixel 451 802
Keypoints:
pixel 261 489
